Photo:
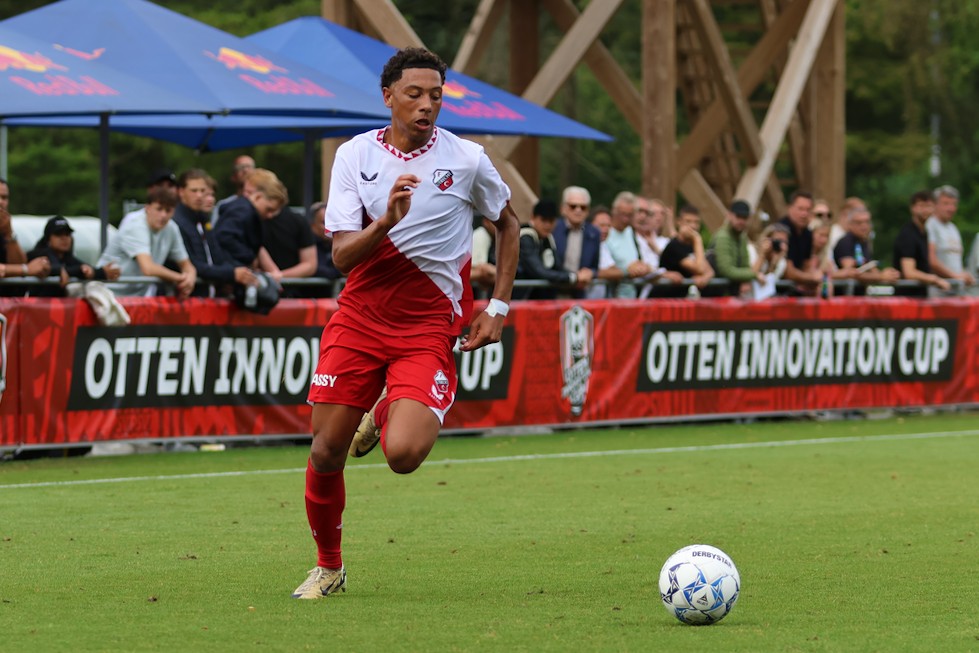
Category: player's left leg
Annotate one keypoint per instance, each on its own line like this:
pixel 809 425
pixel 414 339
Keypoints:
pixel 349 376
pixel 410 432
pixel 421 386
pixel 326 498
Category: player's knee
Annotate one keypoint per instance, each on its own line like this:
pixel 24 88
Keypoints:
pixel 326 456
pixel 404 462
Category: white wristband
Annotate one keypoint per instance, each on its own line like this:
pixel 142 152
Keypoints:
pixel 497 307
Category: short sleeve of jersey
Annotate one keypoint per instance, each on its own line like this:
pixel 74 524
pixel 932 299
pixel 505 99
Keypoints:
pixel 489 194
pixel 344 211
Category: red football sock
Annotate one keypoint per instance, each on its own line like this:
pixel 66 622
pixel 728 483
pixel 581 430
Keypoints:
pixel 325 500
pixel 381 419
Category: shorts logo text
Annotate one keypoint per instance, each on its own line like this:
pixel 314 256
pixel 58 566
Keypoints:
pixel 324 380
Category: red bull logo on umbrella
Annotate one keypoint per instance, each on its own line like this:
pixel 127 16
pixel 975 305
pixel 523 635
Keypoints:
pixel 463 101
pixel 87 56
pixel 35 64
pixel 457 91
pixel 235 60
pixel 281 83
pixel 11 59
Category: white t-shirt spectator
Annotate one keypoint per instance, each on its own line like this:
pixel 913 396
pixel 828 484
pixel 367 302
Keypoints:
pixel 134 237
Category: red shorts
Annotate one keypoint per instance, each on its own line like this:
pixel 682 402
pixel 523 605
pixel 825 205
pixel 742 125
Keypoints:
pixel 356 363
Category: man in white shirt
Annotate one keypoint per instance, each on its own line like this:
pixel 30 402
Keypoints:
pixel 143 244
pixel 623 247
pixel 945 248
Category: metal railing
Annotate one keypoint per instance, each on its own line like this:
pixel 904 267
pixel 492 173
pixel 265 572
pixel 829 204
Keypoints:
pixel 716 287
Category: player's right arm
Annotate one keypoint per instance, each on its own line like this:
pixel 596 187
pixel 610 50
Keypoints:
pixel 350 248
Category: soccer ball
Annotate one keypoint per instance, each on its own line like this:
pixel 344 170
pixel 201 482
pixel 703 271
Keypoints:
pixel 699 584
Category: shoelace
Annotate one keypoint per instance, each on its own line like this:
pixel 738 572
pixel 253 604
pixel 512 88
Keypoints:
pixel 314 577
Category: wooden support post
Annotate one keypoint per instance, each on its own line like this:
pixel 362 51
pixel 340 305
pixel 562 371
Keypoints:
pixel 341 12
pixel 524 60
pixel 478 36
pixel 786 97
pixel 828 130
pixel 658 133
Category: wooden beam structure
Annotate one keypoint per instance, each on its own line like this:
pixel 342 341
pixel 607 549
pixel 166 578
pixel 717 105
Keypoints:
pixel 786 98
pixel 524 55
pixel 659 99
pixel 761 115
pixel 828 111
pixel 477 38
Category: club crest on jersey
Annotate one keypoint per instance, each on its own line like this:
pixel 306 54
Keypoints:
pixel 442 179
pixel 368 180
pixel 441 382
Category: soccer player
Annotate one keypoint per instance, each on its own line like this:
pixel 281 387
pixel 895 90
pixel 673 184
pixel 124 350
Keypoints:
pixel 400 208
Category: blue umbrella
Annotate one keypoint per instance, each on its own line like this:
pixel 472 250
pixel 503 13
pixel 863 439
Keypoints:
pixel 192 59
pixel 40 79
pixel 469 106
pixel 213 133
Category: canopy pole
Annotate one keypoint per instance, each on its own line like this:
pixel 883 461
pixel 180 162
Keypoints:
pixel 3 152
pixel 309 153
pixel 104 178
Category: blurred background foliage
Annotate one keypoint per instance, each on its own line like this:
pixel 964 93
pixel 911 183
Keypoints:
pixel 910 65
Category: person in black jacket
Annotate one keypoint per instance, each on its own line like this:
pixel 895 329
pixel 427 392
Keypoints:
pixel 537 255
pixel 239 232
pixel 206 254
pixel 324 254
pixel 58 246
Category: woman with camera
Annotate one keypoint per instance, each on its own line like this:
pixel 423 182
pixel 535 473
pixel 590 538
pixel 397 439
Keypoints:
pixel 768 255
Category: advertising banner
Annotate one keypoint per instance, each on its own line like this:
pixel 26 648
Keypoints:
pixel 612 361
pixel 203 368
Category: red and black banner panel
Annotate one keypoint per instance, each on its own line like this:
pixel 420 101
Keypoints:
pixel 204 368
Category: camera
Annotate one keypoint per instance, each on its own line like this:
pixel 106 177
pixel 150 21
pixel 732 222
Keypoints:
pixel 776 245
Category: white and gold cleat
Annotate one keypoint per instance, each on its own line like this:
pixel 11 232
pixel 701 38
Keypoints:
pixel 368 434
pixel 321 582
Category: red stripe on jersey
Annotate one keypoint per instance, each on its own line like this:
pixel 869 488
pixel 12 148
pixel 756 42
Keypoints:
pixel 466 303
pixel 388 292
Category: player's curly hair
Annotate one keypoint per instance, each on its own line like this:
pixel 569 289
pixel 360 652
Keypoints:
pixel 410 58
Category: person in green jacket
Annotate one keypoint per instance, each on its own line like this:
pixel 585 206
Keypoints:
pixel 730 246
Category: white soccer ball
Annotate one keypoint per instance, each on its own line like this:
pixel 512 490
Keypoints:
pixel 699 584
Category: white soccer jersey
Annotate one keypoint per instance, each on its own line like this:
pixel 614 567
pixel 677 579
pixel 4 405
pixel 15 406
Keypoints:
pixel 419 275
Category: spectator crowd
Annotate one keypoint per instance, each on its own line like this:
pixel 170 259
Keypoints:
pixel 183 242
pixel 640 248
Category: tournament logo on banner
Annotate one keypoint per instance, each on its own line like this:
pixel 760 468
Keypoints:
pixel 3 354
pixel 577 351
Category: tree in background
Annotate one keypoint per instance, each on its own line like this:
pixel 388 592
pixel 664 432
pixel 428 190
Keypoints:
pixel 906 60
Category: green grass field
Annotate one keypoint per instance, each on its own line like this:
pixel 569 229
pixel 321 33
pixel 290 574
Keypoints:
pixel 849 536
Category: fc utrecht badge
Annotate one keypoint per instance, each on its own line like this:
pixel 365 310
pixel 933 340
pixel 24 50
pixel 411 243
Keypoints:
pixel 577 351
pixel 3 355
pixel 442 179
pixel 441 382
